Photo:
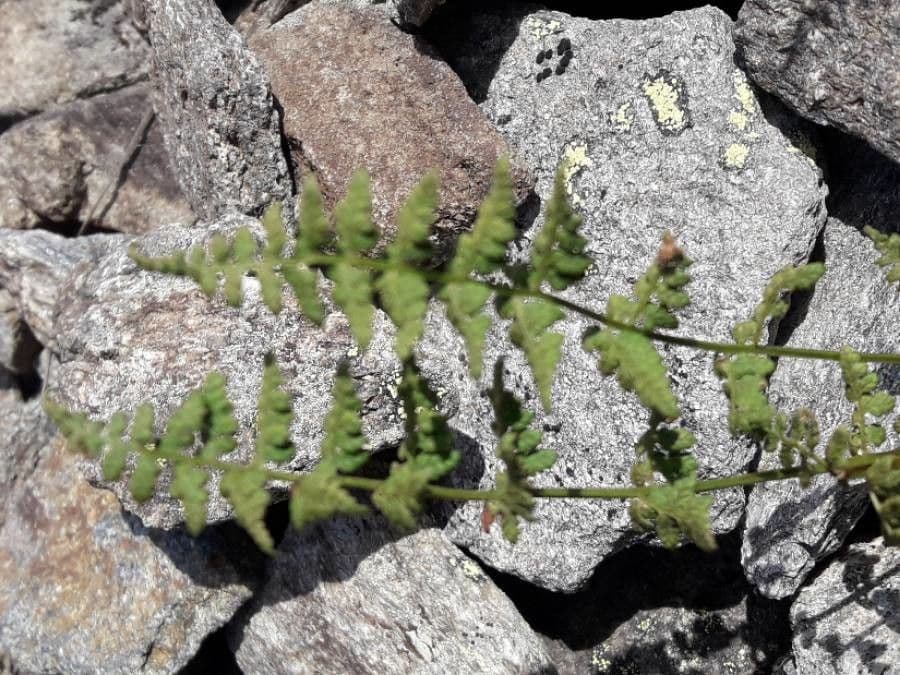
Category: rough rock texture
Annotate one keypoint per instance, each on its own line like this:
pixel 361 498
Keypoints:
pixel 344 597
pixel 650 610
pixel 658 131
pixel 407 13
pixel 413 12
pixel 61 169
pixel 18 346
pixel 85 588
pixel 34 269
pixel 218 117
pixel 834 62
pixel 55 51
pixel 25 431
pixel 847 620
pixel 359 93
pixel 788 528
pixel 108 318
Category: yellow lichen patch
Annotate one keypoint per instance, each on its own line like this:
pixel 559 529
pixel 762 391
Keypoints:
pixel 623 118
pixel 542 28
pixel 744 94
pixel 735 155
pixel 739 120
pixel 574 161
pixel 666 102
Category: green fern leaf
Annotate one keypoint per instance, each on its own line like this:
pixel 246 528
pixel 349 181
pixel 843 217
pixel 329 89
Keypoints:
pixel 674 512
pixel 245 490
pixel 889 247
pixel 746 379
pixel 426 455
pixel 143 479
pixel 558 253
pixel 273 439
pixel 404 293
pixel 189 486
pixel 184 425
pixel 638 367
pixel 319 496
pixel 481 251
pixel 221 422
pixel 528 331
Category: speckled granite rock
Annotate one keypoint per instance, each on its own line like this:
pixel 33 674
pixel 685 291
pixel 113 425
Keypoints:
pixel 847 620
pixel 123 336
pixel 401 112
pixel 85 588
pixel 56 51
pixel 25 431
pixel 59 169
pixel 347 597
pixel 407 13
pixel 659 130
pixel 789 529
pixel 836 63
pixel 218 118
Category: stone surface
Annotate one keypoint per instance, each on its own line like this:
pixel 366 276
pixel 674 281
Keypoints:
pixel 847 620
pixel 370 96
pixel 218 118
pixel 262 14
pixel 347 597
pixel 124 336
pixel 56 51
pixel 836 63
pixel 61 169
pixel 18 346
pixel 25 431
pixel 86 588
pixel 707 164
pixel 788 529
pixel 34 268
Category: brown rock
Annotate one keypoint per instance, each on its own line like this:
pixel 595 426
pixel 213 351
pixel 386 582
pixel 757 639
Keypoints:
pixel 63 168
pixel 86 588
pixel 359 93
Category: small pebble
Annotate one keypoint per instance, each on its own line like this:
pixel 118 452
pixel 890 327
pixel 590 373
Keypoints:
pixel 564 45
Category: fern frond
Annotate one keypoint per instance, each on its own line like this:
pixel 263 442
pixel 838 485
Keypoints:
pixel 531 319
pixel 889 248
pixel 481 251
pixel 558 253
pixel 319 494
pixel 426 455
pixel 245 490
pixel 518 448
pixel 273 439
pixel 632 356
pixel 403 292
pixel 189 486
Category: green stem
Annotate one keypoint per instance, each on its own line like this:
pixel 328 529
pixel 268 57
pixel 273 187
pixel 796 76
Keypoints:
pixel 705 345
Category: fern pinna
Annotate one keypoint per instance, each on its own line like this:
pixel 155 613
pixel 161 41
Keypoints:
pixel 666 494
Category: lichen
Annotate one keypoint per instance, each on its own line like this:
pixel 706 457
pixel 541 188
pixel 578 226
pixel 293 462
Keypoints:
pixel 542 28
pixel 575 160
pixel 623 117
pixel 666 95
pixel 735 156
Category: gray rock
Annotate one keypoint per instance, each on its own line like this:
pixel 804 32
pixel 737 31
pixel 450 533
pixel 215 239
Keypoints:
pixel 86 588
pixel 166 336
pixel 346 597
pixel 56 51
pixel 264 13
pixel 34 268
pixel 61 169
pixel 413 12
pixel 402 112
pixel 836 63
pixel 659 131
pixel 218 117
pixel 788 529
pixel 26 431
pixel 18 346
pixel 847 620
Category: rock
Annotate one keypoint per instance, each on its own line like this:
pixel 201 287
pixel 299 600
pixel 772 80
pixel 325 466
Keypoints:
pixel 401 112
pixel 413 12
pixel 346 597
pixel 34 268
pixel 18 346
pixel 658 130
pixel 835 63
pixel 847 620
pixel 218 118
pixel 56 51
pixel 26 431
pixel 407 13
pixel 87 588
pixel 59 169
pixel 161 331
